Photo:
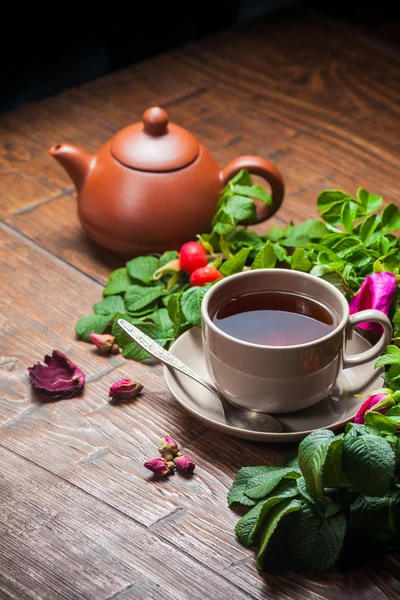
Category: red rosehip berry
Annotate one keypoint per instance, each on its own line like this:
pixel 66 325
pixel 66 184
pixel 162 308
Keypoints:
pixel 204 275
pixel 192 256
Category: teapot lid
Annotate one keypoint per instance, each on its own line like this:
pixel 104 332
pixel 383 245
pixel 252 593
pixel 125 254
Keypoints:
pixel 154 144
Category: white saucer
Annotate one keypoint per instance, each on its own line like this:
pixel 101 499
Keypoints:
pixel 327 414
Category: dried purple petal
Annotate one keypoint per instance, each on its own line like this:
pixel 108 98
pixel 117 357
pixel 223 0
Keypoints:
pixel 125 389
pixel 184 464
pixel 158 466
pixel 378 291
pixel 103 341
pixel 59 379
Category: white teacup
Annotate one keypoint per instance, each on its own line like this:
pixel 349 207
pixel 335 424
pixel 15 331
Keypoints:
pixel 282 378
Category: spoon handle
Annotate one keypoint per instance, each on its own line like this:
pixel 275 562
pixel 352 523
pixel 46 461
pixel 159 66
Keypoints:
pixel 163 355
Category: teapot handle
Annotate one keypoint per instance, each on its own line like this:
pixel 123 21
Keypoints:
pixel 264 168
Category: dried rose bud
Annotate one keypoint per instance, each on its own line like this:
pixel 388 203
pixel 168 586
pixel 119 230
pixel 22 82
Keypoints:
pixel 184 464
pixel 158 466
pixel 171 466
pixel 125 389
pixel 58 378
pixel 103 342
pixel 168 448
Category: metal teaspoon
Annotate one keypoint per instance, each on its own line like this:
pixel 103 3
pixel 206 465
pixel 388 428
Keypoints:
pixel 237 417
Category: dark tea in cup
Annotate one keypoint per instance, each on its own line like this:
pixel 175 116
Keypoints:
pixel 272 318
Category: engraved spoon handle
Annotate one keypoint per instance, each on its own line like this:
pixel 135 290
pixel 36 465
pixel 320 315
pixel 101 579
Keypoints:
pixel 163 355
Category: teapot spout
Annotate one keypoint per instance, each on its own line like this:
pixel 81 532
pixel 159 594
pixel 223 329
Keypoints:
pixel 74 160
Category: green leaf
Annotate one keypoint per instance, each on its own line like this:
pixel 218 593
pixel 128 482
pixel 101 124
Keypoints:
pixel 251 484
pixel 91 324
pixel 392 377
pixel 391 217
pixel 370 202
pixel 223 223
pixel 142 268
pixel 162 319
pixel 374 522
pixel 241 178
pixel 145 311
pixel 304 234
pixel 332 472
pixel 137 296
pixel 236 263
pixel 109 306
pixel 378 424
pixel 245 237
pixel 131 349
pixel 167 257
pixel 391 357
pixel 176 315
pixel 313 451
pixel 253 191
pixel 247 526
pixel 118 282
pixel 300 260
pixel 348 215
pixel 368 227
pixel 275 234
pixel 241 209
pixel 368 464
pixel 266 257
pixel 191 304
pixel 315 541
pixel 277 513
pixel 276 475
pixel 355 429
pixel 280 252
pixel 329 198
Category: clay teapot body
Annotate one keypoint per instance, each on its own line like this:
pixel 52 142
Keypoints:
pixel 153 186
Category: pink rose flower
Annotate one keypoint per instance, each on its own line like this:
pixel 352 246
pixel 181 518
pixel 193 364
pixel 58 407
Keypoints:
pixel 58 378
pixel 125 389
pixel 378 291
pixel 368 404
pixel 184 464
pixel 158 466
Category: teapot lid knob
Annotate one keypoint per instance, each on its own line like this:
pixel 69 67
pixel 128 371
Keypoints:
pixel 155 120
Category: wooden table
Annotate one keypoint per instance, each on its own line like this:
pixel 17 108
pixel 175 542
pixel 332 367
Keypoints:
pixel 80 517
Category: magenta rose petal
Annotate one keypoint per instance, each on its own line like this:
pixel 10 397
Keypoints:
pixel 58 378
pixel 369 404
pixel 378 291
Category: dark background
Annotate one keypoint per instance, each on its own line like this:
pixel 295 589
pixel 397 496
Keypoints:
pixel 47 48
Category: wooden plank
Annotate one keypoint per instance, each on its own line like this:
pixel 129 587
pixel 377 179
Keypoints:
pixel 59 542
pixel 94 446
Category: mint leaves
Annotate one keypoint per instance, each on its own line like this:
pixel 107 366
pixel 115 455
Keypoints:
pixel 344 489
pixel 91 324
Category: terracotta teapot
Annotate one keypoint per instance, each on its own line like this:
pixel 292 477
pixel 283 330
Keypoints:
pixel 153 186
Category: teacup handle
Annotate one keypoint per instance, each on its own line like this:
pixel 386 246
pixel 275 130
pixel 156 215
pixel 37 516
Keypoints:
pixel 264 168
pixel 368 315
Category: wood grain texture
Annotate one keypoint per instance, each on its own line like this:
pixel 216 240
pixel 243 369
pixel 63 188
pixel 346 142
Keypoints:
pixel 80 517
